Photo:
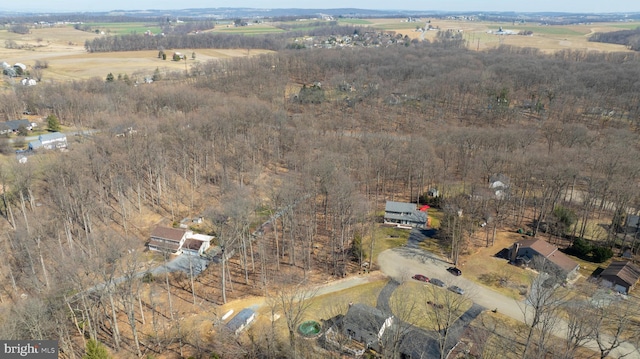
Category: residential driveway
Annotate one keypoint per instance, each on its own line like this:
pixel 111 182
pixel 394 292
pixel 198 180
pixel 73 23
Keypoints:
pixel 401 263
pixel 183 263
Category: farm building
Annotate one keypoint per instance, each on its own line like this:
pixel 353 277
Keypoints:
pixel 50 141
pixel 620 276
pixel 404 215
pixel 238 323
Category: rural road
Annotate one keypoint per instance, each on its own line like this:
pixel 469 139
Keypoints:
pixel 401 263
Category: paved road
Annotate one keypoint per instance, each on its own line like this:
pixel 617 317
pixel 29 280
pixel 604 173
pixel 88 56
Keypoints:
pixel 401 263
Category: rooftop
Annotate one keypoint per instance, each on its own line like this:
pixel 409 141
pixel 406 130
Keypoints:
pixel 550 252
pixel 172 234
pixel 242 318
pixel 626 271
pixel 399 207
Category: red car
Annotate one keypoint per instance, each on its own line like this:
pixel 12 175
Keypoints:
pixel 421 278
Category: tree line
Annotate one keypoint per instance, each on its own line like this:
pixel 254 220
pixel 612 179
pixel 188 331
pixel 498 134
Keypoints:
pixel 229 139
pixel 628 38
pixel 180 39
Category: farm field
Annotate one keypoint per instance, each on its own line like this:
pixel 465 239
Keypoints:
pixel 62 48
pixel 546 38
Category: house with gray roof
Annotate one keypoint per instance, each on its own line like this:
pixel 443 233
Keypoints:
pixel 49 141
pixel 14 125
pixel 404 215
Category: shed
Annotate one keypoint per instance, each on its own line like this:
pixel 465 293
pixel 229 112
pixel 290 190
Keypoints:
pixel 621 276
pixel 238 323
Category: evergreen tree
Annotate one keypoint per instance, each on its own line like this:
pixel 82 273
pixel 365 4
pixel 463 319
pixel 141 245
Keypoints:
pixel 156 75
pixel 95 350
pixel 110 77
pixel 53 124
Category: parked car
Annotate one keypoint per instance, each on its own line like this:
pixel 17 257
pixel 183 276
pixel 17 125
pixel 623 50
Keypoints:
pixel 456 289
pixel 437 282
pixel 420 278
pixel 454 271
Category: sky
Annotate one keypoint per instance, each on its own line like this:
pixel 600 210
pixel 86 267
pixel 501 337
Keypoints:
pixel 589 6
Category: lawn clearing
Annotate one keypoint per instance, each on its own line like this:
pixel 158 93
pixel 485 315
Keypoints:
pixel 483 267
pixel 413 302
pixel 329 305
pixel 386 238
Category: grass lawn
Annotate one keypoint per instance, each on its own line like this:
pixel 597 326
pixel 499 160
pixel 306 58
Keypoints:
pixel 410 303
pixel 329 305
pixel 436 216
pixel 386 238
pixel 483 267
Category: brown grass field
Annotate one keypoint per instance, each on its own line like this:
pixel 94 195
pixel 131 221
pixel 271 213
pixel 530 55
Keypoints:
pixel 545 38
pixel 63 49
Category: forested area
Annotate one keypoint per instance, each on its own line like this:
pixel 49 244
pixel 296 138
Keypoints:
pixel 179 40
pixel 629 38
pixel 232 139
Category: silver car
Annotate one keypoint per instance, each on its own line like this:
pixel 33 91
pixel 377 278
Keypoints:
pixel 456 289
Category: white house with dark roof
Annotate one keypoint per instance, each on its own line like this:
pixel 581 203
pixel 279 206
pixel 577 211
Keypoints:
pixel 404 215
pixel 49 141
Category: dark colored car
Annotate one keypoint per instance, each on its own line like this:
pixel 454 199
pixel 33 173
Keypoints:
pixel 456 289
pixel 437 282
pixel 454 271
pixel 420 278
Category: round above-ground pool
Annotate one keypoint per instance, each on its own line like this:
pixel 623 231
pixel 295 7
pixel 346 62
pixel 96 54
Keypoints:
pixel 309 329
